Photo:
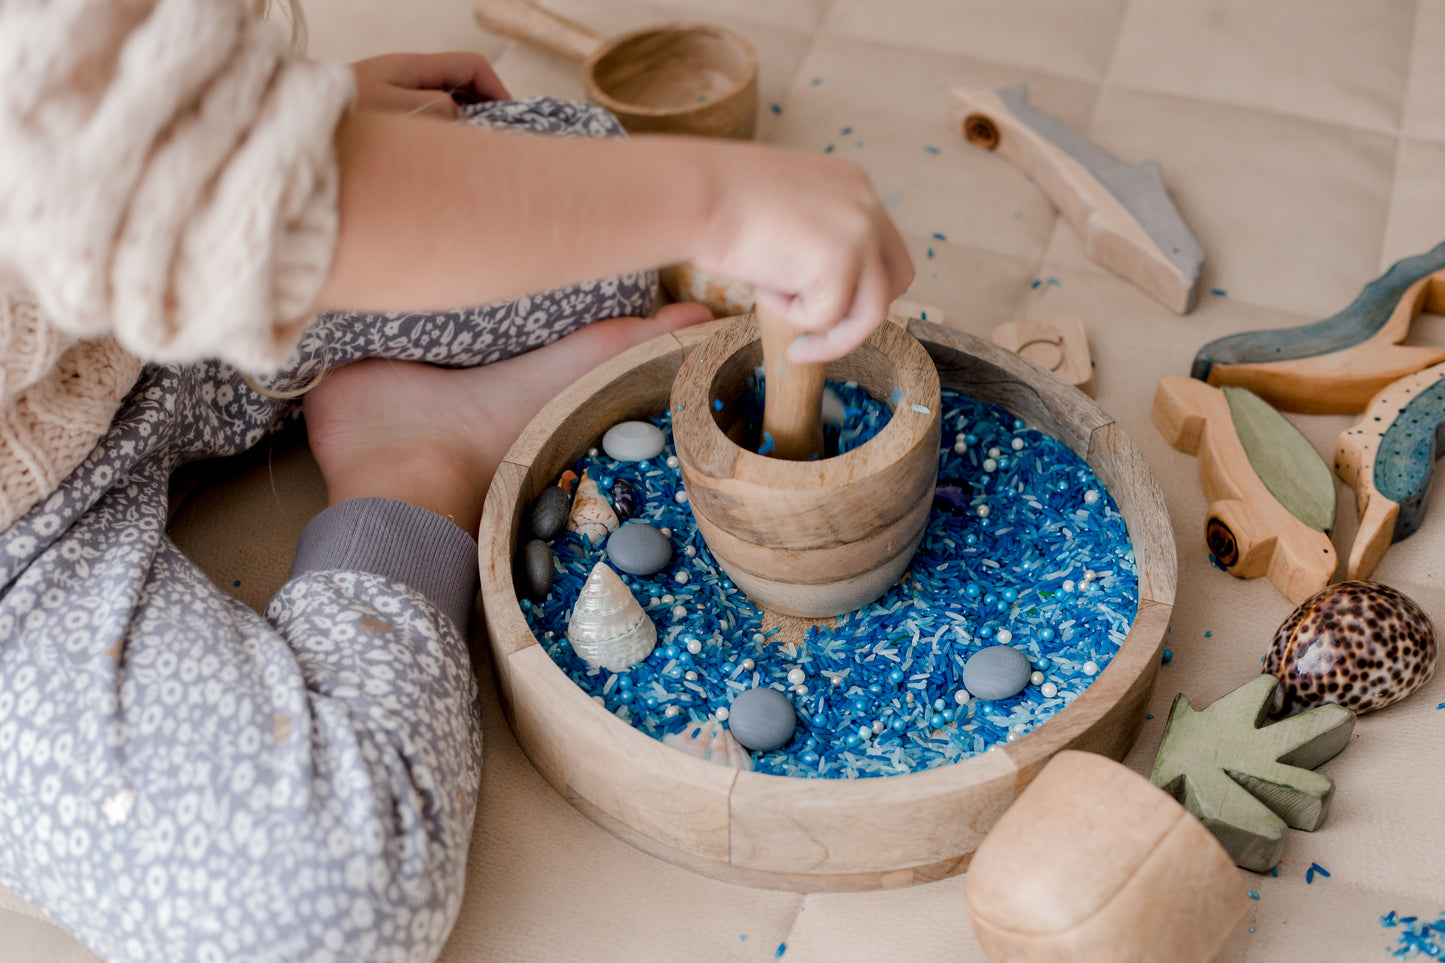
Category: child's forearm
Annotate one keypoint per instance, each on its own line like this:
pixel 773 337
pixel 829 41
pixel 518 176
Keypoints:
pixel 436 215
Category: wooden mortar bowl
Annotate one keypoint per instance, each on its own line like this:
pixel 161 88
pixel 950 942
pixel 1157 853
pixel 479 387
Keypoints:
pixel 811 539
pixel 790 833
pixel 678 78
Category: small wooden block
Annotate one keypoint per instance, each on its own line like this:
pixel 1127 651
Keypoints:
pixel 1251 528
pixel 1388 458
pixel 1092 863
pixel 1336 365
pixel 1057 343
pixel 1229 772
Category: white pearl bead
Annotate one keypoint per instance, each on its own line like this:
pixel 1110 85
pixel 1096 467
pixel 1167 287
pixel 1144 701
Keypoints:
pixel 1090 497
pixel 694 646
pixel 797 676
pixel 722 714
pixel 591 452
pixel 983 511
pixel 671 711
pixel 681 496
pixel 994 453
pixel 690 675
pixel 1068 585
pixel 908 697
pixel 668 600
pixel 959 448
pixel 800 689
pixel 671 461
pixel 1004 636
pixel 1018 444
pixel 878 727
pixel 599 700
pixel 865 732
pixel 1037 678
pixel 748 664
pixel 989 464
pixel 682 577
pixel 679 611
pixel 666 532
pixel 1091 667
pixel 1013 737
pixel 1048 690
pixel 961 697
pixel 690 552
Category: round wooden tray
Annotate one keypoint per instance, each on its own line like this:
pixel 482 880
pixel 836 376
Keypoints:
pixel 790 833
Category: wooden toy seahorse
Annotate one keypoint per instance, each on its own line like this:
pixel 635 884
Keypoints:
pixel 1121 211
pixel 1388 458
pixel 1271 497
pixel 1336 365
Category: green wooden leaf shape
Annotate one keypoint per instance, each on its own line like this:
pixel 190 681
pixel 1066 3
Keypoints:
pixel 1244 782
pixel 1284 459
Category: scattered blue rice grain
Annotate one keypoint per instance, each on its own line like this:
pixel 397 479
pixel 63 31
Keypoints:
pixel 1274 871
pixel 925 627
pixel 829 149
pixel 858 145
pixel 1253 895
pixel 1315 868
pixel 930 148
pixel 1055 282
pixel 930 252
pixel 817 80
pixel 782 948
pixel 1416 937
pixel 777 108
pixel 845 132
pixel 767 446
pixel 717 405
pixel 1035 285
pixel 1149 716
pixel 939 237
pixel 1218 292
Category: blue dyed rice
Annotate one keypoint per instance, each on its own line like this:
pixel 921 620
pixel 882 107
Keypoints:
pixel 1039 534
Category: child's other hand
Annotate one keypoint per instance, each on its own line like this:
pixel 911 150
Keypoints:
pixel 812 238
pixel 426 83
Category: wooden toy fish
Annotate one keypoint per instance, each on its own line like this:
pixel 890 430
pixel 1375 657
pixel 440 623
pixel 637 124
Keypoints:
pixel 1121 211
pixel 1388 458
pixel 1271 497
pixel 1336 365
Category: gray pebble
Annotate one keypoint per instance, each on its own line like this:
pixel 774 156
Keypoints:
pixel 534 570
pixel 997 672
pixel 548 514
pixel 639 549
pixel 762 719
pixel 633 441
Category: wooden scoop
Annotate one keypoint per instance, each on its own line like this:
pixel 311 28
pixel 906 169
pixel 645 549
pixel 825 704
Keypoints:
pixel 678 78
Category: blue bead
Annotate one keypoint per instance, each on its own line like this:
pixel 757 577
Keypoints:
pixel 949 715
pixel 624 681
pixel 1047 634
pixel 1168 655
pixel 986 632
pixel 971 589
pixel 670 651
pixel 989 599
pixel 1000 606
pixel 729 667
pixel 852 740
pixel 936 720
pixel 625 695
pixel 650 702
pixel 1010 595
pixel 970 539
pixel 970 439
pixel 895 676
pixel 1018 424
pixel 810 758
pixel 900 724
pixel 1003 461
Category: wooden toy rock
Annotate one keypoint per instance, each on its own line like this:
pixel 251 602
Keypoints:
pixel 1092 864
pixel 1230 771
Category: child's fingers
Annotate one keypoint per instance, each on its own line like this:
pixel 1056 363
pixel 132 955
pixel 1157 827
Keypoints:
pixel 897 262
pixel 868 309
pixel 458 71
pixel 405 100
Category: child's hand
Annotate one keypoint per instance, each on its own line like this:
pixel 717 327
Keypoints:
pixel 810 235
pixel 426 83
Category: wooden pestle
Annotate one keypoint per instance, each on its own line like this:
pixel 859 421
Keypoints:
pixel 793 394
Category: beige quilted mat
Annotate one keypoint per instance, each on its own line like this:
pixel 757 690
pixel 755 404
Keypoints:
pixel 1303 141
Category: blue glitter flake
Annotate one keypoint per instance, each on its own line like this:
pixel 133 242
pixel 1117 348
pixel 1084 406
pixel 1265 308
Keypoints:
pixel 898 658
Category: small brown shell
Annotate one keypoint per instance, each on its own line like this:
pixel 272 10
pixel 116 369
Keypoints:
pixel 591 517
pixel 1358 644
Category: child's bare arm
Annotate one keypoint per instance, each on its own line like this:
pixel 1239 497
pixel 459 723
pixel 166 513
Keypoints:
pixel 434 215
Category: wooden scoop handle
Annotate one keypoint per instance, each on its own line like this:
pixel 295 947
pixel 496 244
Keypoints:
pixel 793 398
pixel 531 24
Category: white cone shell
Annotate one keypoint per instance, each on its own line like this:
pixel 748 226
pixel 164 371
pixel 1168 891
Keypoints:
pixel 608 627
pixel 591 516
pixel 710 741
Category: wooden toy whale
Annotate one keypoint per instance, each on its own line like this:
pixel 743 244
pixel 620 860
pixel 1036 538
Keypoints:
pixel 1121 211
pixel 1388 458
pixel 1336 365
pixel 1271 497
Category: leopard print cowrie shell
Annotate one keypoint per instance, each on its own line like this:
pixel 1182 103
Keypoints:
pixel 1359 644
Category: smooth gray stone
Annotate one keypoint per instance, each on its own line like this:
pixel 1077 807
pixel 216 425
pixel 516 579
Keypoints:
pixel 639 549
pixel 997 672
pixel 633 441
pixel 534 570
pixel 548 514
pixel 762 719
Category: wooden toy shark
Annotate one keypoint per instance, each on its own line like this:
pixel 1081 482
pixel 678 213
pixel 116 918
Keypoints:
pixel 1121 211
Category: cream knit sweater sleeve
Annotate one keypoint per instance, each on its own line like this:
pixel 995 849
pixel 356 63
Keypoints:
pixel 167 174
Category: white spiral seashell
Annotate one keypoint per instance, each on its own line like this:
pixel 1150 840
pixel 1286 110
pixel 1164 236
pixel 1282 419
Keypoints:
pixel 710 741
pixel 608 627
pixel 591 517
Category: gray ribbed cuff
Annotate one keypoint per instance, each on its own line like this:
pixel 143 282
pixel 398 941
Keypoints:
pixel 398 541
